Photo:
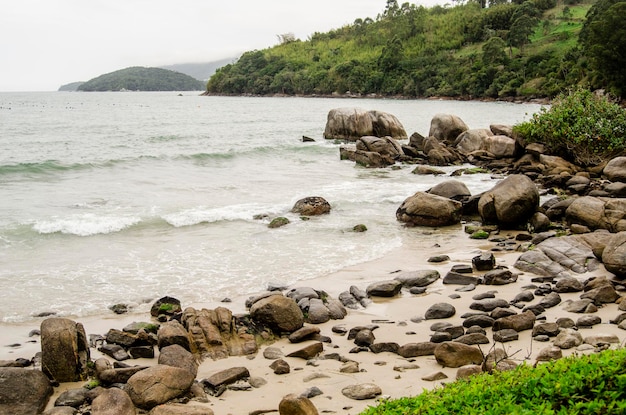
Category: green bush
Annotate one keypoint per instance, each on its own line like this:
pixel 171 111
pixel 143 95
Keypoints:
pixel 594 384
pixel 580 126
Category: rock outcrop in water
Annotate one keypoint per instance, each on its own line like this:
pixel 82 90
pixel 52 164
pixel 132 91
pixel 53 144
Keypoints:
pixel 353 123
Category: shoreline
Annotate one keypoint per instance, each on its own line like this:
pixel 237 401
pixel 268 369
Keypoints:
pixel 397 319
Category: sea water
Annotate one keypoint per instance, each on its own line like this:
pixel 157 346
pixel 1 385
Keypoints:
pixel 125 197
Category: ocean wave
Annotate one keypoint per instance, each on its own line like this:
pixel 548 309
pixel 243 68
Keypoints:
pixel 48 166
pixel 203 214
pixel 86 224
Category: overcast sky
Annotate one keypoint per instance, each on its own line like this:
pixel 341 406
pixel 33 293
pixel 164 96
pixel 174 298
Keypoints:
pixel 47 43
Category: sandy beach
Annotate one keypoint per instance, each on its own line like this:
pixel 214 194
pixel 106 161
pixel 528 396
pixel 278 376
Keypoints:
pixel 396 320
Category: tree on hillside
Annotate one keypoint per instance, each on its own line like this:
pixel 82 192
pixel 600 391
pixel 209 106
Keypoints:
pixel 520 32
pixel 493 51
pixel 604 40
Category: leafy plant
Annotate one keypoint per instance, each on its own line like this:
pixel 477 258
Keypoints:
pixel 593 384
pixel 580 126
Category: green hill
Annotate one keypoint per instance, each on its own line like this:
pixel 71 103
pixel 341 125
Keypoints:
pixel 138 78
pixel 522 49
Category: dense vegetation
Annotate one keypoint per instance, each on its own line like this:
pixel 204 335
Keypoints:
pixel 525 48
pixel 579 126
pixel 142 79
pixel 594 384
pixel 71 87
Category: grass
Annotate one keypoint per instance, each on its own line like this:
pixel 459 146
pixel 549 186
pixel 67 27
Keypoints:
pixel 588 384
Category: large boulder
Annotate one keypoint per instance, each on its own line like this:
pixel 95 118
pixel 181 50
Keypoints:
pixel 471 140
pixel 354 123
pixel 112 401
pixel 64 350
pixel 385 146
pixel 614 255
pixel 500 146
pixel 279 313
pixel 23 391
pixel 446 127
pixel 157 385
pixel 598 213
pixel 438 154
pixel 311 206
pixel 178 356
pixel 425 209
pixel 214 333
pixel 454 354
pixel 615 169
pixel 511 202
pixel 451 189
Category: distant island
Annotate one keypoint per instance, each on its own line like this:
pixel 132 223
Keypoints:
pixel 138 78
pixel 71 87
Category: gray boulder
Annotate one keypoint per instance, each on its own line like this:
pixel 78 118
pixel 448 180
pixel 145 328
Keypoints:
pixel 354 123
pixel 279 313
pixel 23 391
pixel 510 202
pixel 614 255
pixel 112 401
pixel 424 209
pixel 471 140
pixel 439 311
pixel 500 146
pixel 446 127
pixel 64 350
pixel 451 189
pixel 389 288
pixel 385 146
pixel 362 391
pixel 615 169
pixel 178 356
pixel 157 385
pixel 421 278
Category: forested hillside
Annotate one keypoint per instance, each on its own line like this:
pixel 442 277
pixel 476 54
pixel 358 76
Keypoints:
pixel 138 78
pixel 468 50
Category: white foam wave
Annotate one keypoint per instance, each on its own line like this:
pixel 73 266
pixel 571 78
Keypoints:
pixel 86 224
pixel 203 214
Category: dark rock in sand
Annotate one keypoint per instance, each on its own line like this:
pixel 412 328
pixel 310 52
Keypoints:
pixel 439 311
pixel 500 312
pixel 484 262
pixel 549 354
pixel 489 304
pixel 390 347
pixel 551 300
pixel 388 288
pixel 478 320
pixel 424 209
pixel 108 375
pixel 467 371
pixel 72 397
pixel 456 278
pixel 601 339
pixel 180 409
pixel 439 258
pixel 524 297
pixel 304 333
pixel 568 285
pixel 165 306
pixel 601 295
pixel 280 367
pixel 588 321
pixel 417 349
pixel 451 189
pixel 453 354
pixel 364 337
pixel 440 337
pixel 472 338
pixel 318 312
pixel 581 306
pixel 23 391
pixel 226 377
pixel 115 351
pixel 499 277
pixel 546 329
pixel 505 335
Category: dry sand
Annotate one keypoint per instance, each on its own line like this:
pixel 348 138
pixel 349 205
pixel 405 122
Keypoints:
pixel 392 373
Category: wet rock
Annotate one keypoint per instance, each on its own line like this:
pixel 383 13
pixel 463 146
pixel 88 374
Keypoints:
pixel 417 349
pixel 318 312
pixel 311 206
pixel 304 333
pixel 546 329
pixel 389 288
pixel 551 300
pixel 523 297
pixel 424 209
pixel 568 285
pixel 280 367
pixel 116 352
pixel 451 189
pixel 479 320
pixel 518 322
pixel 390 347
pixel 364 337
pixel 489 304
